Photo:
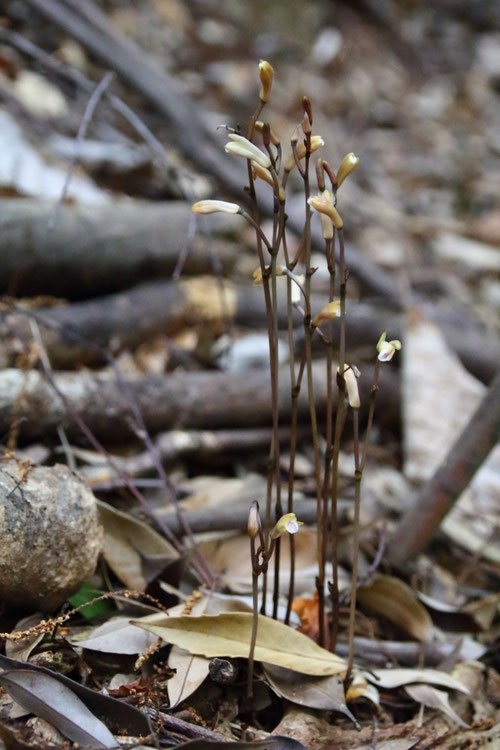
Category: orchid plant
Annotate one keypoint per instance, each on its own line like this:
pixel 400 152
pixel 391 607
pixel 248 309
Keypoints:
pixel 266 164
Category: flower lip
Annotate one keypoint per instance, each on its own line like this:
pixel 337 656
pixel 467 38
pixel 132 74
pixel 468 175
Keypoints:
pixel 386 349
pixel 286 524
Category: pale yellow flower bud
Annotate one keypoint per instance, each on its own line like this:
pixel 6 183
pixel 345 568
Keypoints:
pixel 213 207
pixel 351 384
pixel 240 146
pixel 316 143
pixel 266 73
pixel 259 127
pixel 329 311
pixel 266 175
pixel 287 524
pixel 257 274
pixel 348 165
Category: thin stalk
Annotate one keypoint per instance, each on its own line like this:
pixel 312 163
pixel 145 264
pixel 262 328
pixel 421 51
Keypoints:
pixel 371 411
pixel 339 421
pixel 293 431
pixel 358 472
pixel 329 251
pixel 310 385
pixel 275 417
pixel 253 639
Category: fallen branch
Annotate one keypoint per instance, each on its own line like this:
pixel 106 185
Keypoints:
pixel 421 523
pixel 92 249
pixel 90 26
pixel 193 400
pixel 85 332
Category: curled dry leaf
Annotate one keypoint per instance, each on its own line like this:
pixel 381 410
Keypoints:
pixel 190 672
pixel 321 693
pixel 127 718
pixel 394 599
pixel 433 698
pixel 134 551
pixel 359 688
pixel 116 636
pixel 394 678
pixel 229 635
pixel 56 703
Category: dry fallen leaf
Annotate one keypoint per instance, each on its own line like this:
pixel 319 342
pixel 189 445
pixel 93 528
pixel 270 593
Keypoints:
pixel 394 678
pixel 116 636
pixel 390 597
pixel 190 672
pixel 433 698
pixel 229 634
pixel 54 702
pixel 134 551
pixel 321 693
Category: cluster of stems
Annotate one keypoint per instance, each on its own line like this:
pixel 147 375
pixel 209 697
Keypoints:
pixel 267 164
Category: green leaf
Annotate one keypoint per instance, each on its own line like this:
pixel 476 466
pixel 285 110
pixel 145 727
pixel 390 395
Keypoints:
pixel 86 593
pixel 228 634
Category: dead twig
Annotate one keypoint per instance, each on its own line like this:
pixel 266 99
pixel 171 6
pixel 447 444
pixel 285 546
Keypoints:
pixel 421 523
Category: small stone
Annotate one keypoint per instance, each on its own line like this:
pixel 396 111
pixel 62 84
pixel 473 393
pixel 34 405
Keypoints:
pixel 327 46
pixel 50 534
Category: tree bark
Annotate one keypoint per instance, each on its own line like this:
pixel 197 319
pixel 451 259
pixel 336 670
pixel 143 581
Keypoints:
pixel 85 333
pixel 95 249
pixel 183 400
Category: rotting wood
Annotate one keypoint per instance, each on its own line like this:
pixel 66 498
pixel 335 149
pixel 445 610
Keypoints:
pixel 195 400
pixel 86 332
pixel 86 23
pixel 95 249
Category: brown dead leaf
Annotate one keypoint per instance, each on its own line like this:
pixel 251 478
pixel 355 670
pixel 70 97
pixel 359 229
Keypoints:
pixel 134 551
pixel 321 693
pixel 433 698
pixel 394 599
pixel 229 634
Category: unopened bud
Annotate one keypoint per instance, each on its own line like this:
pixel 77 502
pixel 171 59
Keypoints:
pixel 259 127
pixel 287 524
pixel 351 384
pixel 253 520
pixel 348 165
pixel 316 142
pixel 329 311
pixel 320 174
pixel 266 175
pixel 266 74
pixel 306 124
pixel 213 207
pixel 306 106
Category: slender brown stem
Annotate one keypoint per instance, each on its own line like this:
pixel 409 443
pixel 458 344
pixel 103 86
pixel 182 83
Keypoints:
pixel 253 639
pixel 371 411
pixel 339 421
pixel 355 553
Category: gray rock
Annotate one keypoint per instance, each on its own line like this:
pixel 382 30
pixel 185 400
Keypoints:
pixel 50 535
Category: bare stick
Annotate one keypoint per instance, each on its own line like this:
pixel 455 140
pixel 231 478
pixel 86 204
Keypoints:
pixel 82 131
pixel 421 523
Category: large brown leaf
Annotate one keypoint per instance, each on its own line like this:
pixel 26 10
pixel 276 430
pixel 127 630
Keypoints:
pixel 229 634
